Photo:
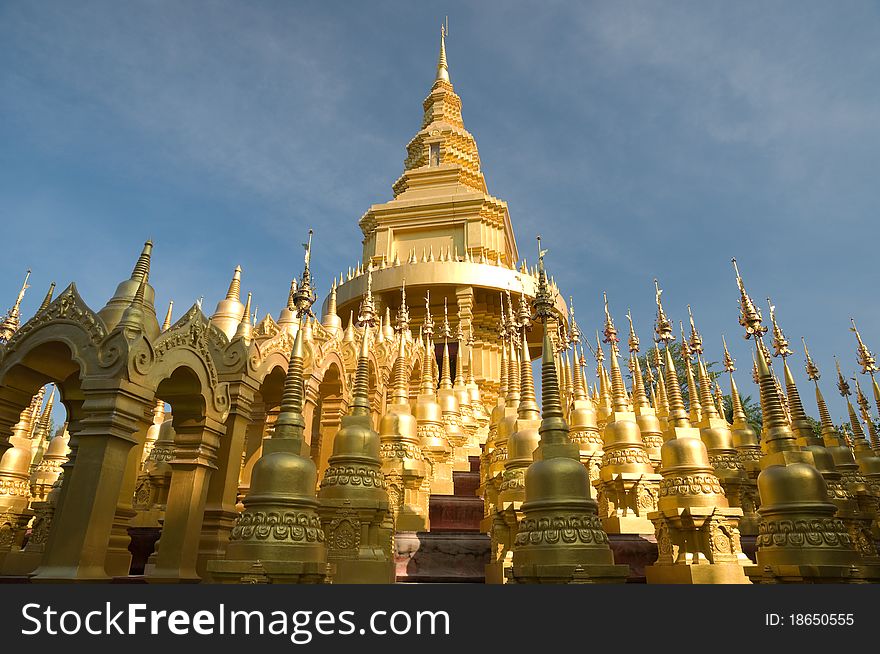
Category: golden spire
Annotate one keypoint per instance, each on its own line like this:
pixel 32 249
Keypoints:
pixel 633 339
pixel 707 402
pixel 400 374
pixel 696 408
pixel 865 410
pixel 167 323
pixel 662 396
pixel 142 266
pixel 290 422
pixel 573 329
pixel 610 331
pixel 553 429
pixel 245 329
pixel 640 397
pixel 234 292
pixel 618 390
pixel 677 415
pixel 442 67
pixel 367 309
pixel 777 432
pixel 348 336
pixel 46 418
pixel 750 315
pixel 846 436
pixel 360 405
pixel 48 299
pixel 580 383
pixel 813 374
pixel 403 311
pixel 503 379
pixel 528 406
pixel 470 343
pixel 446 373
pixel 12 321
pixel 427 384
pixel 133 317
pixel 513 384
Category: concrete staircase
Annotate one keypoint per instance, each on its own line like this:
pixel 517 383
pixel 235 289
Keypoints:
pixel 454 551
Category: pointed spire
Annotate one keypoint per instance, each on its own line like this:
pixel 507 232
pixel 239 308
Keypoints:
pixel 245 329
pixel 48 299
pixel 553 427
pixel 348 336
pixel 360 405
pixel 640 397
pixel 446 373
pixel 167 323
pixel 290 422
pixel 403 311
pixel 331 297
pixel 400 374
pixel 528 405
pixel 865 410
pixel 12 321
pixel 778 435
pixel 580 383
pixel 427 383
pixel 513 372
pixel 442 66
pixel 696 409
pixel 142 266
pixel 707 402
pixel 471 380
pixel 677 417
pixel 234 292
pixel 133 317
pixel 618 390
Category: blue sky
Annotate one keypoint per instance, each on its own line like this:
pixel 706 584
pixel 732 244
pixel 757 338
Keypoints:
pixel 641 140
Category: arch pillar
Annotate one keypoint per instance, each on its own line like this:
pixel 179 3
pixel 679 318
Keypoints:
pixel 118 561
pixel 197 443
pixel 220 513
pixel 101 442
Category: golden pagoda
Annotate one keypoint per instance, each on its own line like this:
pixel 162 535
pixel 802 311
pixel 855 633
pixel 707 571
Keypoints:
pixel 231 447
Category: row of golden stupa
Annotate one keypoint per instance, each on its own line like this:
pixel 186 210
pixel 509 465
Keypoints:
pixel 304 450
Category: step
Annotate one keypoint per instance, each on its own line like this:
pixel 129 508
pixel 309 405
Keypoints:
pixel 454 513
pixel 466 483
pixel 441 557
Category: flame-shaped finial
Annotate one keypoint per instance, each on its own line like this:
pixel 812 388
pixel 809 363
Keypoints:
pixel 662 326
pixel 685 346
pixel 633 339
pixel 574 332
pixel 305 295
pixel 864 356
pixel 842 385
pixel 696 341
pixel 812 369
pixel 610 331
pixel 729 361
pixel 542 305
pixel 779 342
pixel 525 312
pixel 428 325
pixel 750 316
pixel 403 311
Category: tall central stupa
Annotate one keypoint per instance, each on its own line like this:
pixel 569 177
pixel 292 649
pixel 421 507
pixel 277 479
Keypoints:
pixel 445 236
